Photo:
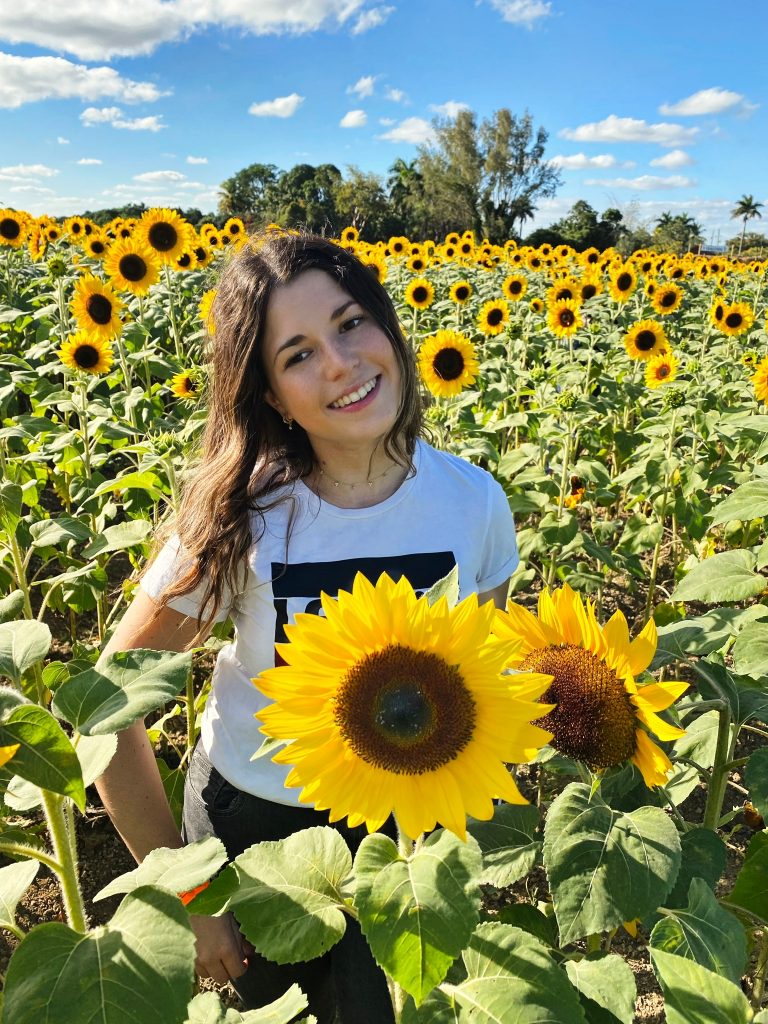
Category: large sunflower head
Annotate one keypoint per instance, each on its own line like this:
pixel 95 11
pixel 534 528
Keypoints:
pixel 666 298
pixel 600 715
pixel 420 293
pixel 448 363
pixel 165 232
pixel 461 292
pixel 645 339
pixel 13 228
pixel 737 318
pixel 132 266
pixel 514 287
pixel 493 317
pixel 393 705
pixel 623 281
pixel 564 318
pixel 661 369
pixel 96 308
pixel 760 380
pixel 87 353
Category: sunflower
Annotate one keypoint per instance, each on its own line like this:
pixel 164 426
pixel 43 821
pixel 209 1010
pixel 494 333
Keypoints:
pixel 737 318
pixel 587 288
pixel 417 263
pixel 398 245
pixel 461 292
pixel 493 316
pixel 453 238
pixel 75 228
pixel 165 232
pixel 537 305
pixel 96 245
pixel 185 385
pixel 185 260
pixel 13 228
pixel 601 714
pixel 420 293
pixel 645 339
pixel 377 265
pixel 623 281
pixel 749 359
pixel 36 243
pixel 85 352
pixel 760 380
pixel 562 290
pixel 564 318
pixel 96 308
pixel 235 228
pixel 448 363
pixel 52 232
pixel 204 310
pixel 132 267
pixel 350 234
pixel 661 369
pixel 514 287
pixel 667 298
pixel 393 705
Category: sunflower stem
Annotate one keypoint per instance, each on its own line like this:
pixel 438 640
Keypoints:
pixel 172 312
pixel 662 517
pixel 720 769
pixel 761 971
pixel 67 864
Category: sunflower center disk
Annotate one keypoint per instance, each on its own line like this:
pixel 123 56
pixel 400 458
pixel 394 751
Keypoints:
pixel 162 237
pixel 99 309
pixel 645 340
pixel 10 228
pixel 86 356
pixel 133 267
pixel 594 720
pixel 448 364
pixel 405 711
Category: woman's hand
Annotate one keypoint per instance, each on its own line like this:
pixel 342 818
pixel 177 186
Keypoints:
pixel 221 951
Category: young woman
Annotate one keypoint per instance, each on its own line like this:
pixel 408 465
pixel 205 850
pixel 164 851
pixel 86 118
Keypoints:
pixel 312 469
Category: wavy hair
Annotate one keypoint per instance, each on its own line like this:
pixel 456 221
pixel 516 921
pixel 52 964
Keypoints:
pixel 247 453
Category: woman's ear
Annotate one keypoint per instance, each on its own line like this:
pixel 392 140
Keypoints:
pixel 271 400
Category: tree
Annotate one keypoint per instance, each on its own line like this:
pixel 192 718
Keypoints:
pixel 305 196
pixel 452 171
pixel 677 233
pixel 746 208
pixel 582 229
pixel 362 203
pixel 406 199
pixel 247 193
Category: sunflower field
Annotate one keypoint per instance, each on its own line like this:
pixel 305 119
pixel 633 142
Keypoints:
pixel 592 847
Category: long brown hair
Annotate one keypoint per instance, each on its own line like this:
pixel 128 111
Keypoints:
pixel 247 452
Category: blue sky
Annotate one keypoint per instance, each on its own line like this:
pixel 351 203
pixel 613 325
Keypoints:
pixel 649 107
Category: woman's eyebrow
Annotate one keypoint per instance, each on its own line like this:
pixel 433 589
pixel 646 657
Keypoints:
pixel 300 337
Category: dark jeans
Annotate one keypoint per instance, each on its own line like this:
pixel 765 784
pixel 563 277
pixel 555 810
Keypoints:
pixel 346 980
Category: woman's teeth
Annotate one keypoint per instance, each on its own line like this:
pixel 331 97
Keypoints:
pixel 356 395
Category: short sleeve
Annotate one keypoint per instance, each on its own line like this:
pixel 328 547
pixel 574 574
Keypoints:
pixel 173 561
pixel 500 557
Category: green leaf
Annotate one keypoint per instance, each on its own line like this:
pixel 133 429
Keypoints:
pixel 124 687
pixel 173 783
pixel 138 969
pixel 418 914
pixel 727 576
pixel 508 843
pixel 144 481
pixel 119 537
pixel 175 870
pixel 22 645
pixel 750 501
pixel 94 754
pixel 702 856
pixel 694 995
pixel 511 979
pixel 704 634
pixel 447 587
pixel 750 651
pixel 11 497
pixel 531 920
pixel 705 932
pixel 289 900
pixel 607 980
pixel 45 756
pixel 15 879
pixel 756 775
pixel 206 1008
pixel 699 744
pixel 751 888
pixel 604 866
pixel 12 606
pixel 52 532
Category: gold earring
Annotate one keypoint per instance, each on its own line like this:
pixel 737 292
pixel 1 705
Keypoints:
pixel 289 421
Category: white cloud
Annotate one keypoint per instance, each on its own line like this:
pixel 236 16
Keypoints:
pixel 522 12
pixel 98 32
pixel 354 119
pixel 363 87
pixel 449 109
pixel 282 106
pixel 30 79
pixel 413 129
pixel 580 161
pixel 197 159
pixel 28 171
pixel 114 116
pixel 396 95
pixel 155 177
pixel 676 158
pixel 644 183
pixel 37 189
pixel 386 121
pixel 630 129
pixel 192 184
pixel 372 18
pixel 88 161
pixel 707 101
pixel 62 141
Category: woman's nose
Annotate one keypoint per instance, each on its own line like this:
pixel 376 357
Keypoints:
pixel 339 356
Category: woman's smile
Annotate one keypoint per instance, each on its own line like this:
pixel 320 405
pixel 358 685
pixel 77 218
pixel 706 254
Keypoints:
pixel 357 398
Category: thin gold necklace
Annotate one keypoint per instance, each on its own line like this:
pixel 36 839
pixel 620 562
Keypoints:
pixel 342 483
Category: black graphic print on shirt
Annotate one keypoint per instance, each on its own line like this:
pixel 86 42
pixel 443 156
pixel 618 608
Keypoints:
pixel 297 587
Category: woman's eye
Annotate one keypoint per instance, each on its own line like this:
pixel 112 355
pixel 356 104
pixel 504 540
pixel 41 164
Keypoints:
pixel 297 358
pixel 354 321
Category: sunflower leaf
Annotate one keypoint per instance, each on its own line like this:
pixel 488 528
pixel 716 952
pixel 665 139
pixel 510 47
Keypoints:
pixel 605 866
pixel 206 1008
pixel 756 775
pixel 750 501
pixel 727 576
pixel 418 914
pixel 750 890
pixel 177 870
pixel 693 993
pixel 447 587
pixel 290 901
pixel 507 842
pixel 605 980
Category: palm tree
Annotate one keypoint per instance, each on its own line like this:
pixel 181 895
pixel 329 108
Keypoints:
pixel 746 208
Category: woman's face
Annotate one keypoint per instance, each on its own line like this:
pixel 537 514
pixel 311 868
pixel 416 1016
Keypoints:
pixel 330 365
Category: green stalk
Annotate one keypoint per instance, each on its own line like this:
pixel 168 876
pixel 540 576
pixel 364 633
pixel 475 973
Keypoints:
pixel 561 496
pixel 20 850
pixel 396 991
pixel 761 970
pixel 172 312
pixel 720 769
pixel 662 517
pixel 67 862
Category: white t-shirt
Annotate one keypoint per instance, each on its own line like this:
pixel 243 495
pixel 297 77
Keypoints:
pixel 448 513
